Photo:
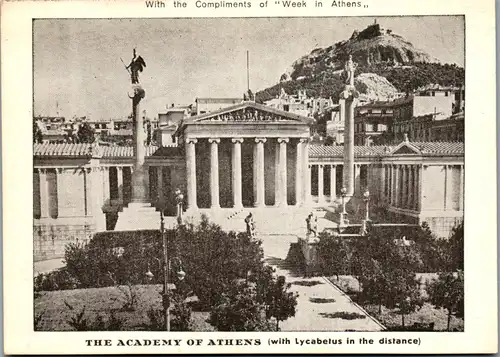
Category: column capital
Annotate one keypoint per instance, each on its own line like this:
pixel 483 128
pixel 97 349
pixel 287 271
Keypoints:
pixel 333 165
pixel 191 141
pixel 303 140
pixel 59 170
pixel 283 140
pixel 214 140
pixel 237 140
pixel 119 168
pixel 260 140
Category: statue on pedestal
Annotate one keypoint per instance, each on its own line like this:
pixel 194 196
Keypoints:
pixel 250 223
pixel 312 224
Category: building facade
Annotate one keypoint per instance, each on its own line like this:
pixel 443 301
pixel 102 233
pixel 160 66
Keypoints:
pixel 247 156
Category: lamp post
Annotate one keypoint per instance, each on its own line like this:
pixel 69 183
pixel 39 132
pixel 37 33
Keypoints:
pixel 366 197
pixel 166 272
pixel 343 192
pixel 179 199
pixel 343 214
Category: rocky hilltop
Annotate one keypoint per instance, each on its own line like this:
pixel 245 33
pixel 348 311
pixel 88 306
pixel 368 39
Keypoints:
pixel 387 64
pixel 373 45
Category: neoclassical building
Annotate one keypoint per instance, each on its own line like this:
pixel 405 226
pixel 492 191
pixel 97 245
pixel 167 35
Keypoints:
pixel 241 158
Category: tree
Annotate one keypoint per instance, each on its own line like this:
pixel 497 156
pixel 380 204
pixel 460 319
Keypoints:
pixel 375 285
pixel 448 292
pixel 85 133
pixel 37 134
pixel 404 292
pixel 239 310
pixel 280 302
pixel 334 255
pixel 456 247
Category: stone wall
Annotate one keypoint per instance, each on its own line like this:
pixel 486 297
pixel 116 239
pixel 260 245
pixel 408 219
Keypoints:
pixel 50 237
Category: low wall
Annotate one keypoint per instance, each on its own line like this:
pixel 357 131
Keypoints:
pixel 309 248
pixel 50 236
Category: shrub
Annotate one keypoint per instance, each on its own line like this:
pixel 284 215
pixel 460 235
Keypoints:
pixel 240 310
pixel 56 280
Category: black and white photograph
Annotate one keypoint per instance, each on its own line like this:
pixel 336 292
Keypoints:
pixel 249 174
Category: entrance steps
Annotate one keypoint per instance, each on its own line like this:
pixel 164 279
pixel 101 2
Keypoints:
pixel 288 220
pixel 139 216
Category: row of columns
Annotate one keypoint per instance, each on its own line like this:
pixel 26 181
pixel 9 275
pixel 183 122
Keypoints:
pixel 402 185
pixel 321 186
pixel 258 172
pixel 52 197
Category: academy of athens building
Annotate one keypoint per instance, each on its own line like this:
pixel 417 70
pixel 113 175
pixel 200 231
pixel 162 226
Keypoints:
pixel 243 157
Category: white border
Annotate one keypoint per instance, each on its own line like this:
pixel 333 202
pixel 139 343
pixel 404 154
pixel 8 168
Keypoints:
pixel 480 334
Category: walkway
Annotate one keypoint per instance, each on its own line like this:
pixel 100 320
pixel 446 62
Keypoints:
pixel 46 266
pixel 321 306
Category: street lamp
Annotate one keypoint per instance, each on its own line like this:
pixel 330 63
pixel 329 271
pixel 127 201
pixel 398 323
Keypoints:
pixel 343 192
pixel 366 197
pixel 343 214
pixel 179 199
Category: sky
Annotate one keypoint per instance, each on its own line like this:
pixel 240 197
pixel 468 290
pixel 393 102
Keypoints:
pixel 78 71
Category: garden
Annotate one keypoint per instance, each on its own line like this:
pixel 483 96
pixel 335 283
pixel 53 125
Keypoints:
pixel 218 282
pixel 416 283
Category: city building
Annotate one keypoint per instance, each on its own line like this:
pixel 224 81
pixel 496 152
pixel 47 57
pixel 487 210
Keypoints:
pixel 373 123
pixel 299 103
pixel 207 105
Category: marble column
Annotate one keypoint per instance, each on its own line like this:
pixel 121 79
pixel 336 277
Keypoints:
pixel 298 173
pixel 415 187
pixel 382 181
pixel 259 187
pixel 404 185
pixel 44 194
pixel 191 172
pixel 105 185
pixel 159 186
pixel 283 171
pixel 357 181
pixel 447 203
pixel 214 172
pixel 88 191
pixel 236 166
pixel 96 188
pixel 321 191
pixel 461 189
pixel 119 178
pixel 411 179
pixel 138 174
pixel 333 183
pixel 348 173
pixel 306 172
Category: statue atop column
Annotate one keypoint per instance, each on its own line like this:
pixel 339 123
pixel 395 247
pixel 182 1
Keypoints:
pixel 136 65
pixel 349 68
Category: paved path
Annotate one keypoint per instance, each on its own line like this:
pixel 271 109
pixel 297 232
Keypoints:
pixel 319 302
pixel 46 266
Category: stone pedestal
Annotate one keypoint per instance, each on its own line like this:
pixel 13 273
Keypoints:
pixel 138 216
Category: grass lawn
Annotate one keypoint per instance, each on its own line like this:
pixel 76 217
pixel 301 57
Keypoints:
pixel 389 318
pixel 101 301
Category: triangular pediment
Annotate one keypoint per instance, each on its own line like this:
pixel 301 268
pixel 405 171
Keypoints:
pixel 249 112
pixel 406 148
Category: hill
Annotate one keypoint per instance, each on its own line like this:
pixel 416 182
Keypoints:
pixel 376 51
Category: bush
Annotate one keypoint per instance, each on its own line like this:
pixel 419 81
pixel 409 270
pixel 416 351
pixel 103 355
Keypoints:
pixel 59 279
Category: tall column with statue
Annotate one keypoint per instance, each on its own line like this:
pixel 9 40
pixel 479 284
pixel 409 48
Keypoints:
pixel 139 177
pixel 350 94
